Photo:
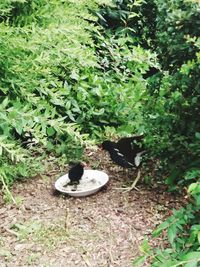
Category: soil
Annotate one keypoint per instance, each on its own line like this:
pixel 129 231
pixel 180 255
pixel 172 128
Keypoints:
pixel 103 230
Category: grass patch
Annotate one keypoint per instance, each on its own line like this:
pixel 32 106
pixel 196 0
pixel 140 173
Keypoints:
pixel 40 233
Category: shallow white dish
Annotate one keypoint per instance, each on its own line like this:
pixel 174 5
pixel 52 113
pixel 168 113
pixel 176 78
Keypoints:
pixel 90 183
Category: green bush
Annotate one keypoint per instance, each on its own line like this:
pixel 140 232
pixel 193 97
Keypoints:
pixel 174 22
pixel 36 39
pixel 171 118
pixel 71 71
pixel 172 123
pixel 170 105
pixel 181 233
pixel 170 110
pixel 63 80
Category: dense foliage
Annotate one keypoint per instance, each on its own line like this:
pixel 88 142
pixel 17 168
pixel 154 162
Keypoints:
pixel 61 80
pixel 109 68
pixel 173 125
pixel 171 111
pixel 32 50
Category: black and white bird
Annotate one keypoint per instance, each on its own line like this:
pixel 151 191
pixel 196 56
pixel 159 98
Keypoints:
pixel 75 173
pixel 127 153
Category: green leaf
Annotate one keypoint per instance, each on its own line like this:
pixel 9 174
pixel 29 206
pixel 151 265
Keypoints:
pixel 69 113
pixel 160 228
pixel 19 128
pixel 171 233
pixel 139 261
pixel 192 174
pixel 191 264
pixel 74 75
pixel 100 16
pixel 197 134
pixel 192 257
pixel 50 131
pixel 133 15
pixel 5 102
pixel 194 188
pixel 68 105
pixel 195 227
pixel 169 263
pixel 145 247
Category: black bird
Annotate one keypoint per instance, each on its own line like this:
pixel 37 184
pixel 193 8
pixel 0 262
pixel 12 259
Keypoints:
pixel 75 174
pixel 126 153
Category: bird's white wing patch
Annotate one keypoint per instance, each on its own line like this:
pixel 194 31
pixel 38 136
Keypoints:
pixel 138 158
pixel 119 158
pixel 123 158
pixel 130 164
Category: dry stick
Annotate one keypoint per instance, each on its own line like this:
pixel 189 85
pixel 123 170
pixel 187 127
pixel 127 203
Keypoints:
pixel 7 190
pixel 85 260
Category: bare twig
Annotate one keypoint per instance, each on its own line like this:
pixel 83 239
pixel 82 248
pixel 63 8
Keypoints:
pixel 7 190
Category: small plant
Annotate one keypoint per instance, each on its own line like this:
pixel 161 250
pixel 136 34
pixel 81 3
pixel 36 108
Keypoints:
pixel 32 258
pixel 182 234
pixel 46 235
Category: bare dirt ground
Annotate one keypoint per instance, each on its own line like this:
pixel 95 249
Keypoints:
pixel 102 230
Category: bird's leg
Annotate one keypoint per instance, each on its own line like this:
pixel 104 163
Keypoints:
pixel 74 187
pixel 74 184
pixel 133 186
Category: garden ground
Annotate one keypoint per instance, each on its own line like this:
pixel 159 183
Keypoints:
pixel 106 229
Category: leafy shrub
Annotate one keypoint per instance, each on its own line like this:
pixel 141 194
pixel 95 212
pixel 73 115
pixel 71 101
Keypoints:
pixel 135 18
pixel 174 120
pixel 170 105
pixel 174 98
pixel 172 130
pixel 34 44
pixel 175 20
pixel 170 110
pixel 62 80
pixel 181 231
